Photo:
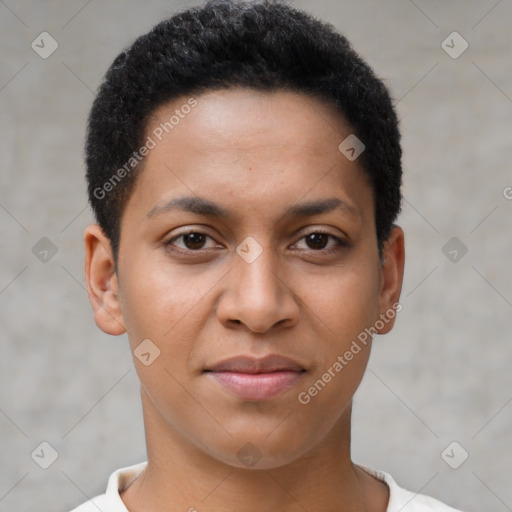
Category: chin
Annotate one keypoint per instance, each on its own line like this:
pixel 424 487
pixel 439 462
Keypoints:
pixel 258 454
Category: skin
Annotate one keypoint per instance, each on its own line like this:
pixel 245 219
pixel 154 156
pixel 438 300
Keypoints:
pixel 255 154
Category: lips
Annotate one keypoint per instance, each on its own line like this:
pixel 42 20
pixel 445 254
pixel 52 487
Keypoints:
pixel 246 364
pixel 256 379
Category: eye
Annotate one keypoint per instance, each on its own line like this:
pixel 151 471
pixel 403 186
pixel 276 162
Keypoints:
pixel 191 241
pixel 318 241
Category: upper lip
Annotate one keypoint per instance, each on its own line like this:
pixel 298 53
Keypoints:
pixel 248 364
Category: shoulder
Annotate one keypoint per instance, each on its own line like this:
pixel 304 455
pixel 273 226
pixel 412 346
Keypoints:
pixel 111 500
pixel 407 501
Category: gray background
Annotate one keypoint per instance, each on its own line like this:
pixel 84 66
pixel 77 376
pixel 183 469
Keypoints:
pixel 442 375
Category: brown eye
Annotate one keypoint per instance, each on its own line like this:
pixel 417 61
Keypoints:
pixel 191 241
pixel 194 240
pixel 322 243
pixel 317 241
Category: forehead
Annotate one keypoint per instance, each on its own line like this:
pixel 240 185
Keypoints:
pixel 246 118
pixel 247 147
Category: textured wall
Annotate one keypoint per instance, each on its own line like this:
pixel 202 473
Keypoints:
pixel 441 376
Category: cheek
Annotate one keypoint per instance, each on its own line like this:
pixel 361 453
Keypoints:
pixel 346 302
pixel 343 307
pixel 157 298
pixel 160 305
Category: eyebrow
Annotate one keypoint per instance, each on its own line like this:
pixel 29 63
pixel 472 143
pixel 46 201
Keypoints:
pixel 204 207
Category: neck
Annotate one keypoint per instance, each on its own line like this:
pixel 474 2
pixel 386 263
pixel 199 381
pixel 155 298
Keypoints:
pixel 181 477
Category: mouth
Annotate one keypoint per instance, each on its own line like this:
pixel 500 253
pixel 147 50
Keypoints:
pixel 256 379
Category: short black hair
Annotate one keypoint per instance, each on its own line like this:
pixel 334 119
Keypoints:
pixel 264 45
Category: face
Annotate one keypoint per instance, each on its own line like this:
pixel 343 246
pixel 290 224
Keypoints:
pixel 248 258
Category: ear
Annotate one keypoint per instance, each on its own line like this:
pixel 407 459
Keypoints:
pixel 101 281
pixel 392 273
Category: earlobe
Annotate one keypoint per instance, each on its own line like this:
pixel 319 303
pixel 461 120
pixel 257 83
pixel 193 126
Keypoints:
pixel 392 272
pixel 101 281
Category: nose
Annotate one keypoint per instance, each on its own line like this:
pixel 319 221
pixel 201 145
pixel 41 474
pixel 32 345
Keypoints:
pixel 258 295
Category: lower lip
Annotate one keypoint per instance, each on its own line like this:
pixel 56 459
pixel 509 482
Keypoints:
pixel 257 386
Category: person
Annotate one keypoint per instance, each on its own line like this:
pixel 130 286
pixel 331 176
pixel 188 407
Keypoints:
pixel 244 168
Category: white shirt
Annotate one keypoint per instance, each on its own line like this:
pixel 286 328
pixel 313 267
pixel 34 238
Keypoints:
pixel 400 500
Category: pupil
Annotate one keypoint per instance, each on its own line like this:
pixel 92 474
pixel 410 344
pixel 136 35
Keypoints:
pixel 194 240
pixel 317 239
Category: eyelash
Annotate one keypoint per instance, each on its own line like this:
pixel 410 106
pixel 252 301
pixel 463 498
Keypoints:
pixel 340 243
